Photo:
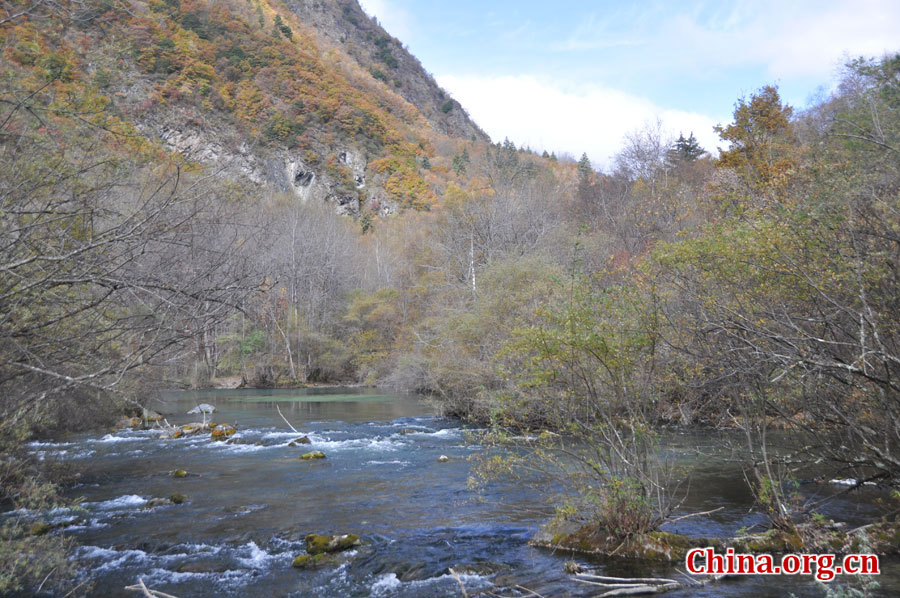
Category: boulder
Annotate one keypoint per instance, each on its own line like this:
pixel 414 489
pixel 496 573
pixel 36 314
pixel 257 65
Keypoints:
pixel 299 441
pixel 313 455
pixel 202 408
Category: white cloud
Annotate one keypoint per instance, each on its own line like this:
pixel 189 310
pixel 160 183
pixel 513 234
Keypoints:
pixel 394 19
pixel 545 115
pixel 786 38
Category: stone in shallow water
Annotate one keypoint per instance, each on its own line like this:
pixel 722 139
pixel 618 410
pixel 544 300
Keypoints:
pixel 202 408
pixel 443 459
pixel 313 455
pixel 318 544
pixel 223 431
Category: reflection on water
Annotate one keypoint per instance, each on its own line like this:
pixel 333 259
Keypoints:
pixel 251 502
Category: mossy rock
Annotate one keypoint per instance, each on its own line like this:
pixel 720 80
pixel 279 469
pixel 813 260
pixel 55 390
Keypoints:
pixel 593 539
pixel 772 541
pixel 40 528
pixel 313 455
pixel 308 561
pixel 319 544
pixel 177 499
pixel 179 473
pixel 223 431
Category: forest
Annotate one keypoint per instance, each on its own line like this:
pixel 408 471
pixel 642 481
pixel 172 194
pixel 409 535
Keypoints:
pixel 752 287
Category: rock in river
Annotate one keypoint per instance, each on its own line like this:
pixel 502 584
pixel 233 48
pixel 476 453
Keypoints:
pixel 313 455
pixel 301 440
pixel 202 408
pixel 223 431
pixel 318 544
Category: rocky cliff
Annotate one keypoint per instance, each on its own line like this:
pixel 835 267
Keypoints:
pixel 311 98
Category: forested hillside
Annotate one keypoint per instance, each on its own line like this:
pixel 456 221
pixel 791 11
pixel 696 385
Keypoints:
pixel 277 194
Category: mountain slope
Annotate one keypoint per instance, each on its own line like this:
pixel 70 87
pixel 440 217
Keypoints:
pixel 344 24
pixel 294 100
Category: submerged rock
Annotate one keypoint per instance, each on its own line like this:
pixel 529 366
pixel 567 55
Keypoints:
pixel 312 455
pixel 158 502
pixel 443 459
pixel 318 544
pixel 164 501
pixel 202 408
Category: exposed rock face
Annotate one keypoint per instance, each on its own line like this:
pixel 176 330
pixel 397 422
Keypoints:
pixel 281 170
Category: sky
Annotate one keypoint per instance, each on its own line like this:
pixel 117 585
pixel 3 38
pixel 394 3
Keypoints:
pixel 577 76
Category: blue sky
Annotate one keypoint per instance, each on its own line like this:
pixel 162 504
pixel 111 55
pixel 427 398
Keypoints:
pixel 577 76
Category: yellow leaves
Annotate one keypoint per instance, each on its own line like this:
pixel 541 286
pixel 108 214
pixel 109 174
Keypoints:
pixel 249 102
pixel 199 71
pixel 455 198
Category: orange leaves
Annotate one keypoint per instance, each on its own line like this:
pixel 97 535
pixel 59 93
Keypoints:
pixel 763 148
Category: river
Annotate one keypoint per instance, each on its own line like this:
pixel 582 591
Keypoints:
pixel 250 503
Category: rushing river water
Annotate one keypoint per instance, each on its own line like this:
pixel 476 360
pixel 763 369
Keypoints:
pixel 250 503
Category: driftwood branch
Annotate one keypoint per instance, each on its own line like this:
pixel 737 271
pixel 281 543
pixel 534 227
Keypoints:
pixel 462 588
pixel 147 592
pixel 638 586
